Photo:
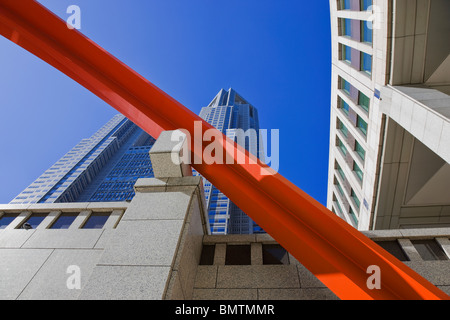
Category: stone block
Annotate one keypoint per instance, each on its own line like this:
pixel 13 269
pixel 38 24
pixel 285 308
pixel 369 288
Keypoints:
pixel 50 283
pixel 166 154
pixel 160 205
pixel 206 277
pixel 64 239
pixel 126 283
pixel 14 238
pixel 296 294
pixel 266 276
pixel 17 268
pixel 143 242
pixel 225 294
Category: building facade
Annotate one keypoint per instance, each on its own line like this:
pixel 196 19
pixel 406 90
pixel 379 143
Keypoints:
pixel 390 113
pixel 103 168
pixel 235 117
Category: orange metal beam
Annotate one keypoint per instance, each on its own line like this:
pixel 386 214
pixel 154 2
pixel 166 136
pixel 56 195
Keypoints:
pixel 332 250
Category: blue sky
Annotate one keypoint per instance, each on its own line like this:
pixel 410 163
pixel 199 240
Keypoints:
pixel 275 53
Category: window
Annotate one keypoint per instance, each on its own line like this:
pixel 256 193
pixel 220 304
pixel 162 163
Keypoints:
pixel 355 199
pixel 363 101
pixel 353 216
pixel 341 146
pixel 64 221
pixel 358 171
pixel 207 256
pixel 238 255
pixel 341 172
pixel 344 106
pixel 96 221
pixel 394 248
pixel 344 4
pixel 338 186
pixel 360 150
pixel 365 4
pixel 346 27
pixel 342 128
pixel 274 254
pixel 345 86
pixel 336 202
pixel 429 249
pixel 366 32
pixel 34 221
pixel 346 53
pixel 361 125
pixel 366 63
pixel 6 219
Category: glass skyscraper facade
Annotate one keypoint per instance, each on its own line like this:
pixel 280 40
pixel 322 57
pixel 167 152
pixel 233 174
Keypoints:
pixel 103 167
pixel 231 114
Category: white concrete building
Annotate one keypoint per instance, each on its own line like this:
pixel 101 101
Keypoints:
pixel 390 113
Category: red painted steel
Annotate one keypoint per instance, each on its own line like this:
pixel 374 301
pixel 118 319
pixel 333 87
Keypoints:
pixel 332 250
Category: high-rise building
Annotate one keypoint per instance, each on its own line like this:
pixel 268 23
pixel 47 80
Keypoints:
pixel 232 115
pixel 104 167
pixel 390 113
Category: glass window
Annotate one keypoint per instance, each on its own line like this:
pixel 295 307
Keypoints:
pixel 96 221
pixel 394 248
pixel 344 106
pixel 344 4
pixel 346 53
pixel 343 128
pixel 360 150
pixel 358 172
pixel 429 249
pixel 6 219
pixel 363 101
pixel 362 125
pixel 64 221
pixel 353 216
pixel 341 172
pixel 366 32
pixel 337 203
pixel 365 4
pixel 346 25
pixel 345 85
pixel 366 63
pixel 274 254
pixel 355 199
pixel 338 186
pixel 34 221
pixel 341 146
pixel 207 255
pixel 238 255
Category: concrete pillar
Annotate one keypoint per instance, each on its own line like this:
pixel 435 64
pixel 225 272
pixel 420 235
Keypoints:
pixel 155 249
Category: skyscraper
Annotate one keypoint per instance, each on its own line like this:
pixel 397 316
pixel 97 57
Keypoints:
pixel 103 167
pixel 390 121
pixel 231 114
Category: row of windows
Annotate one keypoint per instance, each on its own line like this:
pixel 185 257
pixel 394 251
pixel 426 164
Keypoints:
pixel 64 221
pixel 360 124
pixel 357 59
pixel 362 5
pixel 363 34
pixel 353 196
pixel 358 147
pixel 241 255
